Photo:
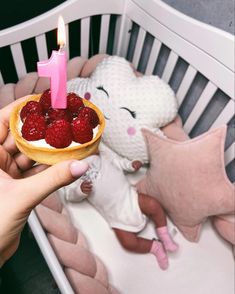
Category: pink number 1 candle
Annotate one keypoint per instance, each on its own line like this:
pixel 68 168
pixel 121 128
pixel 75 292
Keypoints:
pixel 55 69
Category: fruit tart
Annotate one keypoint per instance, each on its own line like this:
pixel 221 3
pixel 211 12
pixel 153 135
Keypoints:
pixel 48 135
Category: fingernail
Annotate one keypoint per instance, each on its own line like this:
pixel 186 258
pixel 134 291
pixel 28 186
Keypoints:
pixel 78 168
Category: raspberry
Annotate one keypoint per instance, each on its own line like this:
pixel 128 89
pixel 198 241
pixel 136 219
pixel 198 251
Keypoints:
pixel 74 103
pixel 89 114
pixel 58 134
pixel 34 127
pixel 45 100
pixel 29 108
pixel 81 130
pixel 56 114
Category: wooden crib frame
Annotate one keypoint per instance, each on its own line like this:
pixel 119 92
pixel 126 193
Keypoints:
pixel 156 39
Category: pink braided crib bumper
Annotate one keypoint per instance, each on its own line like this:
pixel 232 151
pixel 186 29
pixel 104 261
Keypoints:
pixel 87 274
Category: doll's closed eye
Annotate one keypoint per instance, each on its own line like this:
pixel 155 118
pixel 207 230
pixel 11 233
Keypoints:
pixel 101 88
pixel 132 113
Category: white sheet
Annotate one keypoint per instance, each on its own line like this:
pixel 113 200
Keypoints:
pixel 198 268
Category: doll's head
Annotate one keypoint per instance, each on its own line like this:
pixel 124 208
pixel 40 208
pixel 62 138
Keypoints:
pixel 128 103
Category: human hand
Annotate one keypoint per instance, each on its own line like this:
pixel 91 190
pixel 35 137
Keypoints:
pixel 136 164
pixel 86 187
pixel 23 185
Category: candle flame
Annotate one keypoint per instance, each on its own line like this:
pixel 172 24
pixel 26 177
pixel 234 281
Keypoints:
pixel 61 36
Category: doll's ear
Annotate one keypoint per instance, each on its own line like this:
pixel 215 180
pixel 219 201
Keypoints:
pixel 91 64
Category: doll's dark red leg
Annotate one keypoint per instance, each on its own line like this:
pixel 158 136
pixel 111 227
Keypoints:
pixel 152 208
pixel 134 243
pixel 131 242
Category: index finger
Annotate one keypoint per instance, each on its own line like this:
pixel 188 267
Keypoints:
pixel 5 116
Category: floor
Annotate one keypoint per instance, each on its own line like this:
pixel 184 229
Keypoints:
pixel 26 272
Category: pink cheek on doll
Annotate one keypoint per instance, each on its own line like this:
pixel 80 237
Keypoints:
pixel 131 131
pixel 87 96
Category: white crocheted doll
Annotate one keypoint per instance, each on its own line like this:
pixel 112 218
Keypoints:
pixel 105 186
pixel 128 103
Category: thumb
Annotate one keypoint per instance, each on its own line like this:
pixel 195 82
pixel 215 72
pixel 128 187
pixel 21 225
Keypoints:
pixel 34 189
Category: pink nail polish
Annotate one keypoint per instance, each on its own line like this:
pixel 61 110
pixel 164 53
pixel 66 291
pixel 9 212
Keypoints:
pixel 78 168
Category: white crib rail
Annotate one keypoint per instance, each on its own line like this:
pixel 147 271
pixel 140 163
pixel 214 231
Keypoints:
pixel 70 10
pixel 177 32
pixel 183 35
pixel 36 28
pixel 207 38
pixel 49 255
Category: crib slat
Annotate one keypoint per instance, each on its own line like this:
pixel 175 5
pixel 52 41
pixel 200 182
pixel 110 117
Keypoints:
pixel 18 58
pixel 85 33
pixel 153 56
pixel 42 47
pixel 171 62
pixel 122 35
pixel 67 40
pixel 1 79
pixel 229 154
pixel 138 47
pixel 185 84
pixel 117 34
pixel 104 32
pixel 200 106
pixel 226 115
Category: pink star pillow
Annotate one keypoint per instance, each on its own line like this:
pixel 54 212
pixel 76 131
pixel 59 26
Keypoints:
pixel 189 179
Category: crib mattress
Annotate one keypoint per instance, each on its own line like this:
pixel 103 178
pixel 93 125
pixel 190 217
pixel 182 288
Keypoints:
pixel 197 268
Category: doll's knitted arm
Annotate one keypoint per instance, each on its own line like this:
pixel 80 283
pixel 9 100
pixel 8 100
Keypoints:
pixel 73 192
pixel 124 164
pixel 119 161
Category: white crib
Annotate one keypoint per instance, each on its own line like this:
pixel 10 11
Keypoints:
pixel 197 61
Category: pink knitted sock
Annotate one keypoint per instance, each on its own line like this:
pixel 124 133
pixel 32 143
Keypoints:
pixel 166 239
pixel 158 250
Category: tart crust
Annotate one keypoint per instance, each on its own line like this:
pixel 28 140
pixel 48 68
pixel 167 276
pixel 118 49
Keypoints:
pixel 52 155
